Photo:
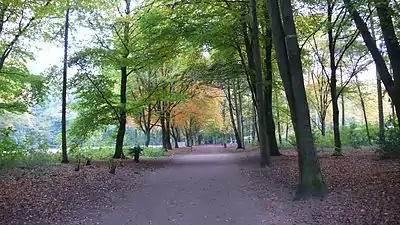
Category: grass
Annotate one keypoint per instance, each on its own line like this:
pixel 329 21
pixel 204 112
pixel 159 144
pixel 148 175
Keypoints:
pixel 153 152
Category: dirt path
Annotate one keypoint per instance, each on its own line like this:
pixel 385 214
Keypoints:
pixel 199 188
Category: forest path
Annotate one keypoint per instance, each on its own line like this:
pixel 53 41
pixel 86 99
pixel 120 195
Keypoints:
pixel 203 187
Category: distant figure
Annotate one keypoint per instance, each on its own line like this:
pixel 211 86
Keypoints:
pixel 191 148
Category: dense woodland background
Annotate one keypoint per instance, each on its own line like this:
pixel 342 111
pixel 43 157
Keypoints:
pixel 274 74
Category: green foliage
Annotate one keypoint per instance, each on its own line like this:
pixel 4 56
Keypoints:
pixel 323 141
pixel 389 145
pixel 33 150
pixel 253 143
pixel 135 150
pixel 354 135
pixel 9 149
pixel 88 153
pixel 286 145
pixel 19 89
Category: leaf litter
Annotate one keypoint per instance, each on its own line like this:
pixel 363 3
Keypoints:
pixel 361 189
pixel 56 194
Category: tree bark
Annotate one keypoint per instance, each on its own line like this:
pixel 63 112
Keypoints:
pixel 261 107
pixel 124 77
pixel 241 121
pixel 323 123
pixel 381 118
pixel 253 123
pixel 175 135
pixel 187 135
pixel 392 46
pixel 147 143
pixel 167 130
pixel 333 85
pixel 311 182
pixel 64 93
pixel 273 145
pixel 122 117
pixel 236 94
pixel 231 114
pixel 342 101
pixel 380 107
pixel 278 117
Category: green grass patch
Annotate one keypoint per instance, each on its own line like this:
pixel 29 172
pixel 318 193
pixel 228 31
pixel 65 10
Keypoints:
pixel 153 152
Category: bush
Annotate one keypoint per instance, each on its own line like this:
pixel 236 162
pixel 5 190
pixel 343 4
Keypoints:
pixel 356 138
pixel 356 135
pixel 32 151
pixel 389 145
pixel 323 141
pixel 135 150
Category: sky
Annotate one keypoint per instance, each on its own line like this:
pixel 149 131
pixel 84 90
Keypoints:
pixel 48 55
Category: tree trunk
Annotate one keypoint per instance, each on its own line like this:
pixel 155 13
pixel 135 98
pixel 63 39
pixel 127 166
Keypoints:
pixel 187 135
pixel 198 137
pixel 287 132
pixel 176 136
pixel 167 130
pixel 392 87
pixel 231 114
pixel 381 118
pixel 311 182
pixel 333 86
pixel 147 143
pixel 380 107
pixel 64 93
pixel 124 76
pixel 256 124
pixel 162 124
pixel 176 143
pixel 342 99
pixel 278 117
pixel 261 107
pixel 122 117
pixel 273 145
pixel 336 130
pixel 363 109
pixel 236 94
pixel 323 125
pixel 241 121
pixel 253 124
pixel 384 12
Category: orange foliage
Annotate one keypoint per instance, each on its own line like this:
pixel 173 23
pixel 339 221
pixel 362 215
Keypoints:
pixel 204 109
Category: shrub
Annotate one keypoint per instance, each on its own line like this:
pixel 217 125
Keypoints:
pixel 135 150
pixel 323 141
pixel 389 145
pixel 32 150
pixel 356 138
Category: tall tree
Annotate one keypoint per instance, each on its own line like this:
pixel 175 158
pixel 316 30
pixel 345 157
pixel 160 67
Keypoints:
pixel 259 88
pixel 270 123
pixel 124 77
pixel 64 90
pixel 311 182
pixel 392 84
pixel 381 119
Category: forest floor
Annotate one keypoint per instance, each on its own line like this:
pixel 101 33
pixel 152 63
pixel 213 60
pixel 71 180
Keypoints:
pixel 209 185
